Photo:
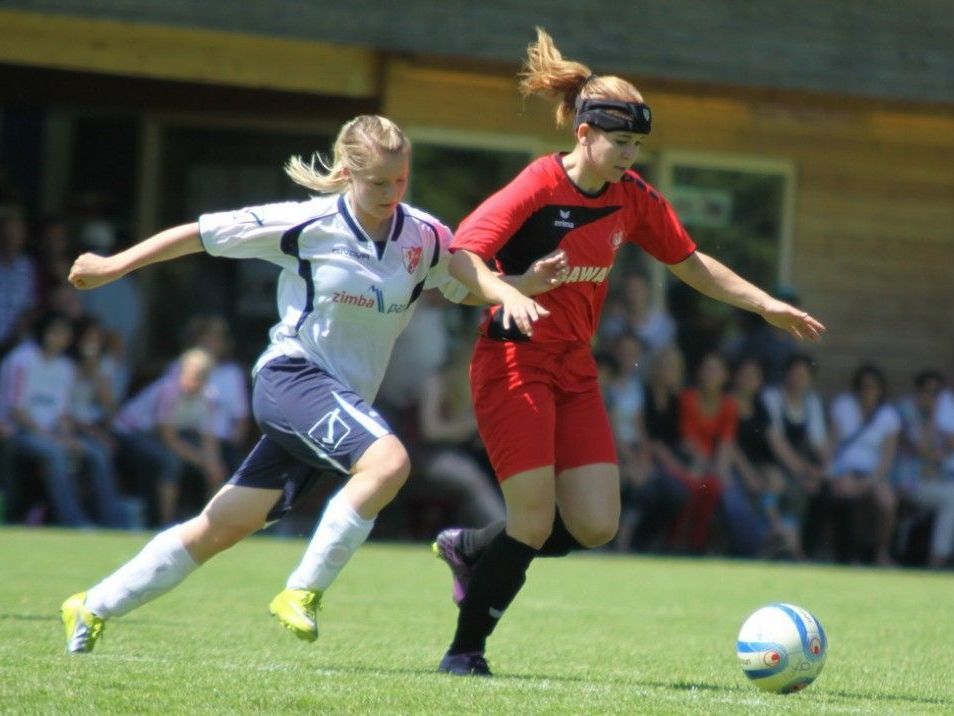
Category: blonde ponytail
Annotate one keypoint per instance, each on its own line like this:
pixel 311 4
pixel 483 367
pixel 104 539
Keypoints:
pixel 358 142
pixel 545 72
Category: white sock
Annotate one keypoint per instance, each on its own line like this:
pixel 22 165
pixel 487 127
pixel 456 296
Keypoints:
pixel 340 532
pixel 160 566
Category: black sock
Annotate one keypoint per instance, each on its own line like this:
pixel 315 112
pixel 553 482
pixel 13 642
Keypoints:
pixel 560 542
pixel 497 578
pixel 473 542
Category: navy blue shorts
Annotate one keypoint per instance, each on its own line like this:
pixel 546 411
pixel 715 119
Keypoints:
pixel 311 423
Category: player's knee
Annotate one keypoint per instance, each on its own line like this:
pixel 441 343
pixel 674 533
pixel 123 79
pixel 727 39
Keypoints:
pixel 391 469
pixel 596 534
pixel 396 466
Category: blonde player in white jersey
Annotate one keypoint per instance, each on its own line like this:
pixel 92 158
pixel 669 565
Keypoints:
pixel 354 260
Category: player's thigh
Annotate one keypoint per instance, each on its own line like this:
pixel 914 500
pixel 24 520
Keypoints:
pixel 589 500
pixel 516 423
pixel 583 433
pixel 530 497
pixel 315 417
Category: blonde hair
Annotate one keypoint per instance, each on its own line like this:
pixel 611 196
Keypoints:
pixel 358 142
pixel 546 73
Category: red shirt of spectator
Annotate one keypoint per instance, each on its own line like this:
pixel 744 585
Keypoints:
pixel 706 431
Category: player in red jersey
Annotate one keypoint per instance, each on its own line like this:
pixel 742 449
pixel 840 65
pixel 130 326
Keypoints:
pixel 537 401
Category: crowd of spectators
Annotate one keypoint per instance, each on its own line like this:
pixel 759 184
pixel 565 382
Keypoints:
pixel 724 449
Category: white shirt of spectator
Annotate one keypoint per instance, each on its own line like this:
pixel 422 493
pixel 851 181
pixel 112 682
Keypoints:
pixel 944 419
pixel 812 415
pixel 13 372
pixel 231 392
pixel 163 403
pixel 863 452
pixel 340 305
pixel 40 386
pixel 625 399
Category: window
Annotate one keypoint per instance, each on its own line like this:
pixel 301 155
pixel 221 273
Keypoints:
pixel 450 181
pixel 738 210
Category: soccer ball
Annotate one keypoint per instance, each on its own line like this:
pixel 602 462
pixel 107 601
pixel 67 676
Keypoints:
pixel 782 648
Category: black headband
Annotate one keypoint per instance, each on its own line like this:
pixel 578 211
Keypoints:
pixel 613 116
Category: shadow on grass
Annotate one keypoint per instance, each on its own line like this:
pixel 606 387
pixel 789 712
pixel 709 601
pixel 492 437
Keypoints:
pixel 32 617
pixel 837 693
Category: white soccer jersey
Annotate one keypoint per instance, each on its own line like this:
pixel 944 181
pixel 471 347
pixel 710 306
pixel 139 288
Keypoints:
pixel 342 299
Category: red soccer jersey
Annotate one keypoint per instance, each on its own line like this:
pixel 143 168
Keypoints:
pixel 542 210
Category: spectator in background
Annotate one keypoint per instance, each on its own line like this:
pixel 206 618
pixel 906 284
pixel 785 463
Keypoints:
pixel 637 314
pixel 624 393
pixel 708 425
pixel 94 397
pixel 452 456
pixel 421 349
pixel 770 346
pixel 118 304
pixel 40 378
pixel 168 426
pixel 18 278
pixel 228 380
pixel 752 503
pixel 860 499
pixel 798 437
pixel 54 256
pixel 660 507
pixel 925 470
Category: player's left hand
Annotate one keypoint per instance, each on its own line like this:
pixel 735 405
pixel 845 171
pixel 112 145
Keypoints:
pixel 521 311
pixel 794 320
pixel 547 273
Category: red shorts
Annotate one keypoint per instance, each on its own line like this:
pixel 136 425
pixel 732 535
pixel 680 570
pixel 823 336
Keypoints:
pixel 539 406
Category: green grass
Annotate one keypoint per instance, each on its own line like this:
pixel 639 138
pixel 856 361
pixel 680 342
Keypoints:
pixel 590 634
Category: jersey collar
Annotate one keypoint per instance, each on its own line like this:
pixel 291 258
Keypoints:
pixel 397 224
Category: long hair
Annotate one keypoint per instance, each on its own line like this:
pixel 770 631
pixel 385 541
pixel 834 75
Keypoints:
pixel 545 72
pixel 359 140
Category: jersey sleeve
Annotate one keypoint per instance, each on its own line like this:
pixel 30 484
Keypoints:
pixel 488 227
pixel 438 275
pixel 658 230
pixel 252 232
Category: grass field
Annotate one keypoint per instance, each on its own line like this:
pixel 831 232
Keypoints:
pixel 590 634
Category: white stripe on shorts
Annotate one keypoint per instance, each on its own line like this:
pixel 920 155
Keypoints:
pixel 369 423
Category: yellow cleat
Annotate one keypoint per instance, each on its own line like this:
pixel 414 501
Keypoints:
pixel 296 610
pixel 83 627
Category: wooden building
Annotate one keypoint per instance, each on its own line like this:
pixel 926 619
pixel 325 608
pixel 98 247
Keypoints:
pixel 809 143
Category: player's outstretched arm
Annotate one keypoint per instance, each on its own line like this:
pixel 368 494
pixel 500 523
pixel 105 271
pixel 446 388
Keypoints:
pixel 714 279
pixel 488 287
pixel 92 270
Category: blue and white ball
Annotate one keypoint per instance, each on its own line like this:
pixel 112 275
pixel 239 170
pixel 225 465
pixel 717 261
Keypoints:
pixel 782 648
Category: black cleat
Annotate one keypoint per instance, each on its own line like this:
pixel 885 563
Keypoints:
pixel 470 664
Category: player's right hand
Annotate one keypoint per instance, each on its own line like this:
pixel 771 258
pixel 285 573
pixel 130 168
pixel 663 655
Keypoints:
pixel 92 270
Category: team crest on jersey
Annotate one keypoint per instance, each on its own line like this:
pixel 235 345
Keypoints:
pixel 412 257
pixel 616 240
